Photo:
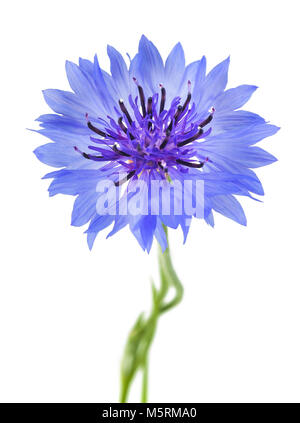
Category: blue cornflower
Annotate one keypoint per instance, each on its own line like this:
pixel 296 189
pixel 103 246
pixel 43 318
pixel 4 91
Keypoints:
pixel 151 122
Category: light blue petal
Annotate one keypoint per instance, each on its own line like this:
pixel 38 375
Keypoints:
pixel 105 89
pixel 84 208
pixel 229 207
pixel 258 133
pixel 234 122
pixel 77 80
pixel 120 223
pixel 99 223
pixel 135 229
pixel 64 123
pixel 250 181
pixel 87 66
pixel 119 72
pixel 195 73
pixel 73 182
pixel 147 227
pixel 56 155
pixel 68 104
pixel 214 84
pixel 151 67
pixel 84 87
pixel 253 157
pixel 174 70
pixel 161 236
pixel 91 236
pixel 246 136
pixel 210 219
pixel 234 98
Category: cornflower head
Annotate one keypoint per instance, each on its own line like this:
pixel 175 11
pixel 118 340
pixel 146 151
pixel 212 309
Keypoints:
pixel 153 144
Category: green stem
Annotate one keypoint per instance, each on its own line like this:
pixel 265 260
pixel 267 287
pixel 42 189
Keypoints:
pixel 140 338
pixel 145 383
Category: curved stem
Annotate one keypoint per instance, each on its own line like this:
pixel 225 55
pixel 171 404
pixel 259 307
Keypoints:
pixel 140 338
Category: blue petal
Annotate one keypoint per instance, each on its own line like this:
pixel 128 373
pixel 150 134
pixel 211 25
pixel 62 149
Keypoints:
pixel 67 103
pixel 234 98
pixel 147 227
pixel 119 72
pixel 253 157
pixel 120 223
pixel 185 226
pixel 258 133
pixel 174 70
pixel 99 223
pixel 56 155
pixel 84 208
pixel 161 236
pixel 91 239
pixel 235 121
pixel 214 84
pixel 77 80
pixel 83 86
pixel 242 154
pixel 135 229
pixel 210 219
pixel 250 181
pixel 151 67
pixel 194 72
pixel 87 66
pixel 73 182
pixel 63 123
pixel 247 136
pixel 229 207
pixel 104 89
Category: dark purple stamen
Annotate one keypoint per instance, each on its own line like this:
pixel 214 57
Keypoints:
pixel 142 97
pixel 206 121
pixel 194 138
pixel 96 130
pixel 163 99
pixel 127 177
pixel 165 141
pixel 187 101
pixel 121 125
pixel 149 106
pixel 178 113
pixel 189 164
pixel 124 129
pixel 149 111
pixel 89 156
pixel 125 111
pixel 116 150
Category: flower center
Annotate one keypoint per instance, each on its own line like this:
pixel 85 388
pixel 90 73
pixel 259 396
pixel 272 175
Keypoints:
pixel 149 136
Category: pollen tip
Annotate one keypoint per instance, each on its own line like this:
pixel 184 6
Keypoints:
pixel 86 115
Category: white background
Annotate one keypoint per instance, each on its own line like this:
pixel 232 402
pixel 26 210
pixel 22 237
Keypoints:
pixel 64 311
